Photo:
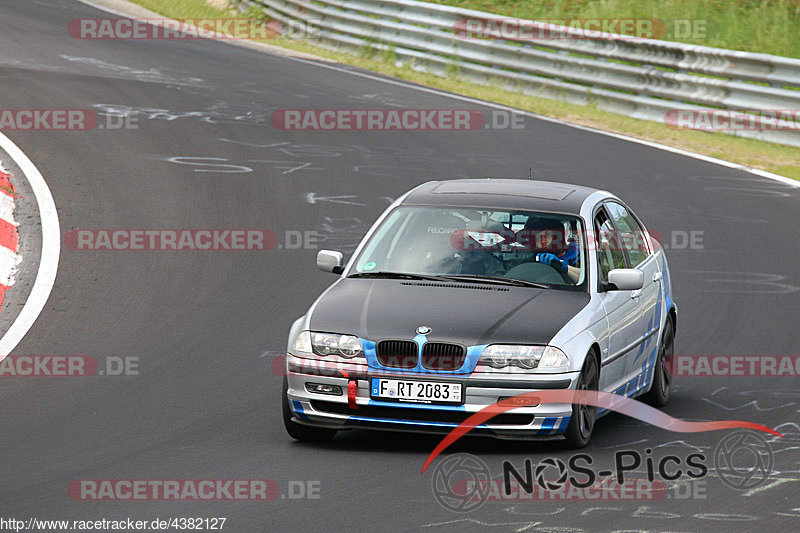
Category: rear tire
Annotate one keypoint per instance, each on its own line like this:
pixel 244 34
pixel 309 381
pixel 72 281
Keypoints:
pixel 581 425
pixel 301 432
pixel 659 392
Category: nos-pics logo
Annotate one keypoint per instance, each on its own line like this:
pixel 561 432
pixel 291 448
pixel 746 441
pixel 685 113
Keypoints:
pixel 462 482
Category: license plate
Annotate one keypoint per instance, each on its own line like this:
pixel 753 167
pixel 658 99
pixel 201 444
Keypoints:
pixel 401 390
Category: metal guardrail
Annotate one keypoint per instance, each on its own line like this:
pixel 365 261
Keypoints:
pixel 641 78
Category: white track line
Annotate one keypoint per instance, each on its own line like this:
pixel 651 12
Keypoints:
pixel 51 249
pixel 122 5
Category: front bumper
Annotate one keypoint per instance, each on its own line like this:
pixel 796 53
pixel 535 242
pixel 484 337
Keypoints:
pixel 548 421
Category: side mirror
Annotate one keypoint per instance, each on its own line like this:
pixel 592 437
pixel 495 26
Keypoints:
pixel 625 279
pixel 330 261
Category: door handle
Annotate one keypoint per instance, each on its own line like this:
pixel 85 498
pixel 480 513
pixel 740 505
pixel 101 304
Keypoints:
pixel 658 275
pixel 636 293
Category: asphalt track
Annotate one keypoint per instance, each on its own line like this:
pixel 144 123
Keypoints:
pixel 206 325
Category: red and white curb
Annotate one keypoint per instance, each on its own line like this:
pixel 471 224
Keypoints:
pixel 50 246
pixel 9 236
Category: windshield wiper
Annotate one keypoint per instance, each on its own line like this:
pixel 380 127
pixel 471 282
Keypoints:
pixel 475 278
pixel 396 275
pixel 469 278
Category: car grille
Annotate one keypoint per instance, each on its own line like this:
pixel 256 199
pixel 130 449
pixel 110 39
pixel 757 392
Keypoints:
pixel 397 354
pixel 419 415
pixel 443 356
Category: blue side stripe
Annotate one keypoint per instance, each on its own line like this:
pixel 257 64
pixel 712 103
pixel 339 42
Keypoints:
pixel 298 410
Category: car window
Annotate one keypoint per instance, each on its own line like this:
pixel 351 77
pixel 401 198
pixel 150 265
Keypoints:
pixel 630 233
pixel 609 251
pixel 538 247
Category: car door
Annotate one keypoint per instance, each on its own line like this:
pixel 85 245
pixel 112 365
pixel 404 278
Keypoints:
pixel 634 240
pixel 623 308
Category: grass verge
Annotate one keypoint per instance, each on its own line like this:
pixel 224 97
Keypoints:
pixel 784 160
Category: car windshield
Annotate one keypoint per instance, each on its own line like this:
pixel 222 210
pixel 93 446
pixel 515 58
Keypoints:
pixel 477 245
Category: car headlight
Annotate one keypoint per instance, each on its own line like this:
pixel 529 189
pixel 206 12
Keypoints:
pixel 523 356
pixel 347 346
pixel 553 358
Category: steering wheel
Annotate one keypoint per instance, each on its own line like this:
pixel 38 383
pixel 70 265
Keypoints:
pixel 538 273
pixel 558 267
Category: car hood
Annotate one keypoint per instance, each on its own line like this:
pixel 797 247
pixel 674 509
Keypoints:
pixel 465 313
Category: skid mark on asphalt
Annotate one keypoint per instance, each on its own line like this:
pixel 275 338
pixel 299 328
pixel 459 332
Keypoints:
pixel 745 186
pixel 219 165
pixel 790 432
pixel 386 98
pixel 681 444
pixel 321 150
pixel 759 282
pixel 223 165
pixel 210 116
pixel 288 167
pixel 780 399
pixel 517 526
pixel 152 75
pixel 343 233
pixel 754 404
pixel 271 353
pixel 312 198
pixel 292 149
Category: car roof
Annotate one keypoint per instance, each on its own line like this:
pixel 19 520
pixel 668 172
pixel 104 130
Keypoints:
pixel 503 193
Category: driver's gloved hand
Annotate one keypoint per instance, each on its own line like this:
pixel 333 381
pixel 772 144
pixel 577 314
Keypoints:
pixel 552 260
pixel 572 253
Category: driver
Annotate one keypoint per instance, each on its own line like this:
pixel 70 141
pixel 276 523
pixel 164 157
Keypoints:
pixel 547 238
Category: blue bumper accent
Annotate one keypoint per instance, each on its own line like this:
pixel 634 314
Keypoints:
pixel 405 422
pixel 554 425
pixel 297 407
pixel 412 405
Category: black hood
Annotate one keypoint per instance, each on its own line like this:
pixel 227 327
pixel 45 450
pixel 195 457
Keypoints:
pixel 469 314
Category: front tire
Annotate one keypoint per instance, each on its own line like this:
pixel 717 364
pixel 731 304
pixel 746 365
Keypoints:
pixel 581 425
pixel 659 392
pixel 299 431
